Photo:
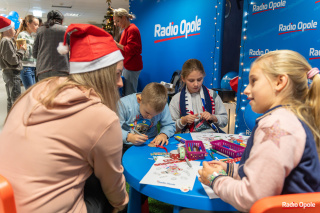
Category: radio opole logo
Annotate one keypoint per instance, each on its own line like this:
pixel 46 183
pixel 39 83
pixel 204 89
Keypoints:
pixel 314 54
pixel 273 5
pixel 256 53
pixel 300 26
pixel 184 29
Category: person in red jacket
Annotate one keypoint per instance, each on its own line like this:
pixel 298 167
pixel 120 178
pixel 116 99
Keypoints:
pixel 131 49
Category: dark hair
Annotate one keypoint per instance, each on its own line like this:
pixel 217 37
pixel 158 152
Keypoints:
pixel 40 21
pixel 54 17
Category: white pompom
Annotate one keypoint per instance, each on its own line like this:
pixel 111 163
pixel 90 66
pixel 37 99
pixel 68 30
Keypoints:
pixel 63 49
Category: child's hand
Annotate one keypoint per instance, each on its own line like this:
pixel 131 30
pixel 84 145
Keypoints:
pixel 223 164
pixel 161 139
pixel 188 119
pixel 208 117
pixel 136 139
pixel 207 170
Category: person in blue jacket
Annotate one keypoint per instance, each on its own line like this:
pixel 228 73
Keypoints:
pixel 140 113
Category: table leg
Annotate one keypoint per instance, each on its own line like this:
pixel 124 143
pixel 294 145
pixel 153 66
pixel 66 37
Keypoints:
pixel 177 209
pixel 134 205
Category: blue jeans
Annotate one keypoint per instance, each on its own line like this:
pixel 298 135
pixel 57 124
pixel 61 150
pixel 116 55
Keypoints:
pixel 131 81
pixel 28 76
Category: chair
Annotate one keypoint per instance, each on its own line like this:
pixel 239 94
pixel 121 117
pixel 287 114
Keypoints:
pixel 7 203
pixel 289 203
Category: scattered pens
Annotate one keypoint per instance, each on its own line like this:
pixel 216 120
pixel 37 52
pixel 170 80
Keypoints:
pixel 217 159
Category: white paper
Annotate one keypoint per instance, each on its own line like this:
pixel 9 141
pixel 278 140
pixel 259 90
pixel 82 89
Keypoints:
pixel 206 138
pixel 172 175
pixel 208 189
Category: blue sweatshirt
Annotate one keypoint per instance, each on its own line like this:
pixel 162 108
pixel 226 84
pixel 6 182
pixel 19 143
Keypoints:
pixel 130 117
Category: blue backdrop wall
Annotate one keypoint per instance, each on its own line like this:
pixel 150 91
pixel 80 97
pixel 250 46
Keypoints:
pixel 274 25
pixel 173 31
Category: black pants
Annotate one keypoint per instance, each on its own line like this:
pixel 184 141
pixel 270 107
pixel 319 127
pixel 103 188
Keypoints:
pixel 94 197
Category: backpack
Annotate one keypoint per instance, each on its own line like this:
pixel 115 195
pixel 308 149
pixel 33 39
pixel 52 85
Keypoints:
pixel 176 80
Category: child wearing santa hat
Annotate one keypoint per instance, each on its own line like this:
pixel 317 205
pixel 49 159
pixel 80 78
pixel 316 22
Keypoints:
pixel 10 60
pixel 61 144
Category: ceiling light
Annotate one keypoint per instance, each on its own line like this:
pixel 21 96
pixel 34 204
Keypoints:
pixel 37 13
pixel 72 14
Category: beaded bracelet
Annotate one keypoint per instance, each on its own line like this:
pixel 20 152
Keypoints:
pixel 215 174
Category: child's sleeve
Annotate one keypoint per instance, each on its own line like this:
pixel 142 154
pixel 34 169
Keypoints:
pixel 272 158
pixel 232 170
pixel 167 124
pixel 123 118
pixel 220 110
pixel 175 112
pixel 10 54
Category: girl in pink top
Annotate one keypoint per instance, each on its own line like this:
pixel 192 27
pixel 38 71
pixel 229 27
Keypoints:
pixel 281 154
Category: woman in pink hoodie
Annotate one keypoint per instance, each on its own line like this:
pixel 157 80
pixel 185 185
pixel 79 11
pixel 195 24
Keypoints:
pixel 64 129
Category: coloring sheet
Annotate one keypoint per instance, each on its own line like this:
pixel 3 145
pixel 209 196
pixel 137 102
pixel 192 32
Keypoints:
pixel 206 138
pixel 172 173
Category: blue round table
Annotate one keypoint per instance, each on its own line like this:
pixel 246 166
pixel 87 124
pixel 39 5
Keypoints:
pixel 136 165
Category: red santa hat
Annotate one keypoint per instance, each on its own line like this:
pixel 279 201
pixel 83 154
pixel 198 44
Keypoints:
pixel 91 48
pixel 5 24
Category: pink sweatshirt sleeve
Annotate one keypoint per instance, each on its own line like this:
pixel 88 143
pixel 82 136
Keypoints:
pixel 279 143
pixel 105 158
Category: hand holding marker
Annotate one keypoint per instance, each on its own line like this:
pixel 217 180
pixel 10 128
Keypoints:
pixel 135 131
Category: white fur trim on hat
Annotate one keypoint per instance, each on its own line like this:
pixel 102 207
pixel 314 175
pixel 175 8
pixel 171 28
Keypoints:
pixel 104 61
pixel 7 27
pixel 63 49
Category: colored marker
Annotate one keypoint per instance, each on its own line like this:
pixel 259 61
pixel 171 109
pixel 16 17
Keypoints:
pixel 135 131
pixel 180 139
pixel 220 153
pixel 189 164
pixel 211 155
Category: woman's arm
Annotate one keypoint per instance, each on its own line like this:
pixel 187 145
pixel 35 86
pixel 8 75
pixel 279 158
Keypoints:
pixel 105 158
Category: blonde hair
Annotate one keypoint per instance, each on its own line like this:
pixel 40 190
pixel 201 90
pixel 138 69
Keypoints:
pixel 120 12
pixel 1 35
pixel 103 81
pixel 189 66
pixel 155 95
pixel 301 100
